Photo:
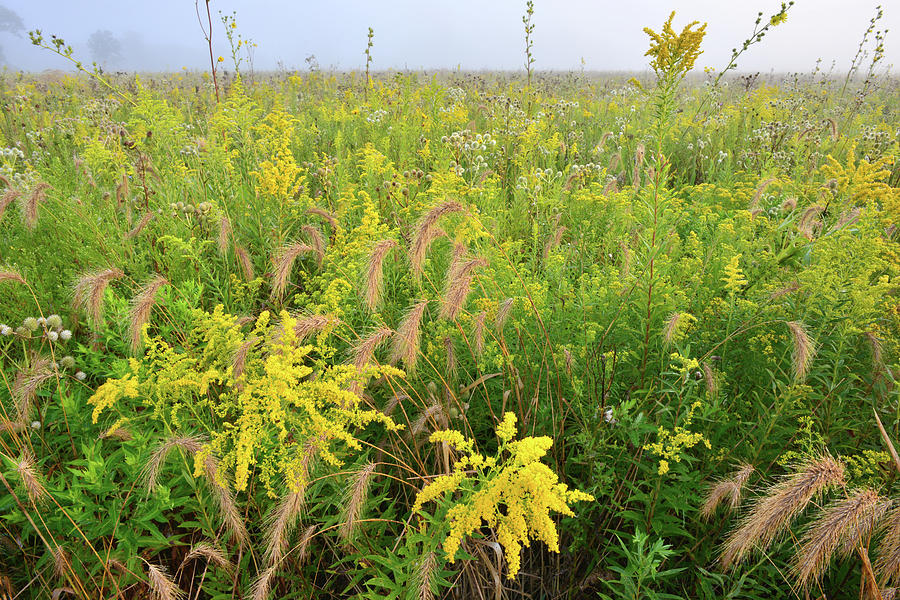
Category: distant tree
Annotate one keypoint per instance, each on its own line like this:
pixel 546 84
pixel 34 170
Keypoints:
pixel 105 47
pixel 10 22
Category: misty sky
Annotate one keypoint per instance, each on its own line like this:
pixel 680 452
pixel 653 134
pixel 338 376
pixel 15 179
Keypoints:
pixel 474 34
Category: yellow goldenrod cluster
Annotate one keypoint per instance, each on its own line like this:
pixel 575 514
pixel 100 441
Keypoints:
pixel 280 175
pixel 253 394
pixel 670 444
pixel 674 54
pixel 864 183
pixel 512 495
pixel 734 278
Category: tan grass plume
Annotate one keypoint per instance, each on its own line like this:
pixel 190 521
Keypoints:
pixel 145 220
pixel 89 290
pixel 887 564
pixel 281 522
pixel 243 258
pixel 262 585
pixel 27 382
pixel 760 189
pixel 32 480
pixel 375 272
pixel 405 345
pixel 775 510
pixel 357 494
pixel 32 202
pixel 10 275
pixel 162 586
pixel 426 232
pixel 842 526
pixel 804 350
pixel 283 262
pixel 224 236
pixel 141 305
pixel 478 332
pixel 324 214
pixel 8 197
pixel 730 489
pixel 210 553
pixel 190 444
pixel 316 242
pixel 457 287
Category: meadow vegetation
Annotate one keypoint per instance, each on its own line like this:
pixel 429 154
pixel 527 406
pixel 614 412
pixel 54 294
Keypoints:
pixel 467 335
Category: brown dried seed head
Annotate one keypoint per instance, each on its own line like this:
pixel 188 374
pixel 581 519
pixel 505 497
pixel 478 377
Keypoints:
pixel 141 306
pixel 89 289
pixel 840 526
pixel 375 272
pixel 780 505
pixel 405 345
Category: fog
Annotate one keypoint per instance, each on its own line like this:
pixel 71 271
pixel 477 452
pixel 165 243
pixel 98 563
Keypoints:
pixel 165 35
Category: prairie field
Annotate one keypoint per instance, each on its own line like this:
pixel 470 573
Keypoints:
pixel 480 335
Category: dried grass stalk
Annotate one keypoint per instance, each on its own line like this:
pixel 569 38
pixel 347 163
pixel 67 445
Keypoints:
pixel 8 197
pixel 89 290
pixel 783 501
pixel 281 522
pixel 887 564
pixel 10 275
pixel 761 188
pixel 426 232
pixel 225 231
pixel 804 350
pixel 27 383
pixel 316 242
pixel 32 202
pixel 375 272
pixel 457 288
pixel 842 525
pixel 32 480
pixel 284 261
pixel 141 306
pixel 324 214
pixel 358 493
pixel 478 333
pixel 243 258
pixel 210 553
pixel 190 444
pixel 405 345
pixel 145 220
pixel 729 489
pixel 162 586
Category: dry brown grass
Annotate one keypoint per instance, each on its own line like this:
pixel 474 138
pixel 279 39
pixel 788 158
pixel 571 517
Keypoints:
pixel 375 273
pixel 782 502
pixel 32 203
pixel 804 350
pixel 842 525
pixel 162 586
pixel 246 265
pixel 405 345
pixel 358 493
pixel 427 231
pixel 141 305
pixel 459 282
pixel 89 290
pixel 730 488
pixel 284 262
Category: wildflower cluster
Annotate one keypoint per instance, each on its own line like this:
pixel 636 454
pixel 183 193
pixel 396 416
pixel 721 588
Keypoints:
pixel 252 393
pixel 513 494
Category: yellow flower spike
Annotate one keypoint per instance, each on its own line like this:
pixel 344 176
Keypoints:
pixel 674 54
pixel 526 489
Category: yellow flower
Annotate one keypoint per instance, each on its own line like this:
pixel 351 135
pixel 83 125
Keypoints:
pixel 221 59
pixel 674 54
